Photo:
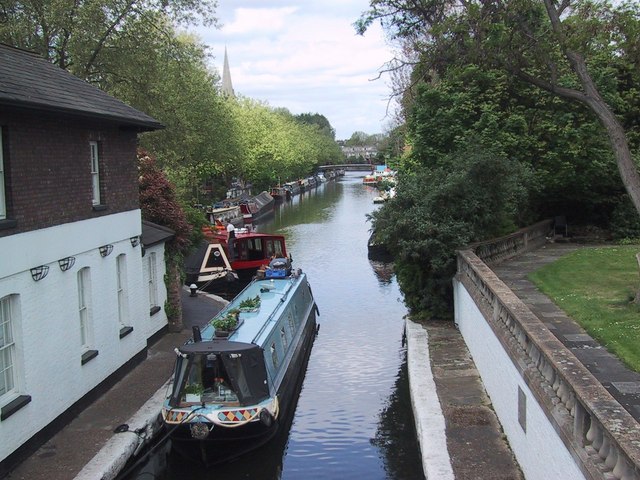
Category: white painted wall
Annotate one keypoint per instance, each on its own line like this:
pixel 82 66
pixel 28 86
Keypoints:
pixel 159 320
pixel 539 451
pixel 47 332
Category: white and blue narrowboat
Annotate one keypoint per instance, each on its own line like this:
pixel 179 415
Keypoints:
pixel 232 389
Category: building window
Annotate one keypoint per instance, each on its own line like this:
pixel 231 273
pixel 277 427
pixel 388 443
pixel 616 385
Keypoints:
pixel 3 196
pixel 153 281
pixel 95 173
pixel 7 346
pixel 84 296
pixel 121 273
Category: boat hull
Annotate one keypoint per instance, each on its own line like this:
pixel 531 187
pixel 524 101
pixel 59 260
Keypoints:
pixel 227 444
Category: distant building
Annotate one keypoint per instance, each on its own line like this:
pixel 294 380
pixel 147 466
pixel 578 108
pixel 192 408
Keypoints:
pixel 80 293
pixel 227 86
pixel 367 152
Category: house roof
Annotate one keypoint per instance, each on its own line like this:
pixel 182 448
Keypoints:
pixel 29 81
pixel 152 233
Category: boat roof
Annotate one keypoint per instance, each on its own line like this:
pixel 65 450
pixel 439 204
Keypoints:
pixel 216 346
pixel 273 300
pixel 242 233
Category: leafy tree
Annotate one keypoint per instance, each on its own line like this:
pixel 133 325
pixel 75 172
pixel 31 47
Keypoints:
pixel 563 145
pixel 551 45
pixel 474 197
pixel 320 121
pixel 76 35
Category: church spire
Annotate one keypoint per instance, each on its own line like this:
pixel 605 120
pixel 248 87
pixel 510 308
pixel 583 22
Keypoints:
pixel 227 87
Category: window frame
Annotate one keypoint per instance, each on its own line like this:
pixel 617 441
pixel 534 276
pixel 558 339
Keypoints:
pixel 152 281
pixel 84 308
pixel 8 349
pixel 95 172
pixel 3 189
pixel 121 288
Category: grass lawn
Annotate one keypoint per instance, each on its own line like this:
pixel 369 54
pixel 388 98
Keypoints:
pixel 596 287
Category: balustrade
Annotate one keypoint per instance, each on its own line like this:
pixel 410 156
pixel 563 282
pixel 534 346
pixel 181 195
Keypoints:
pixel 603 436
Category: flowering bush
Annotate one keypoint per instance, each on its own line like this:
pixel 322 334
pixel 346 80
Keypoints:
pixel 158 201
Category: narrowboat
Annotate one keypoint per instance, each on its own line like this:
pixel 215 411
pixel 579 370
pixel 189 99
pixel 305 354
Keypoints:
pixel 248 250
pixel 257 207
pixel 224 212
pixel 232 389
pixel 292 189
pixel 279 193
pixel 208 265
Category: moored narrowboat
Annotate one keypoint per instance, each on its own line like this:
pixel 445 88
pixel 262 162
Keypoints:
pixel 231 389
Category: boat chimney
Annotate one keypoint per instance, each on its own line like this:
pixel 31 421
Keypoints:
pixel 197 336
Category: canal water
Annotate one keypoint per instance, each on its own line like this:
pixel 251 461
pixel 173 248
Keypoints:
pixel 353 418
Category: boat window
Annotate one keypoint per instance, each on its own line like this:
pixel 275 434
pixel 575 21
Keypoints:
pixel 283 337
pixel 255 249
pixel 292 323
pixel 274 355
pixel 278 250
pixel 248 375
pixel 214 259
pixel 269 252
pixel 205 379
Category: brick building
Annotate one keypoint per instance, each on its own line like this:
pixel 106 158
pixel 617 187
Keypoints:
pixel 79 293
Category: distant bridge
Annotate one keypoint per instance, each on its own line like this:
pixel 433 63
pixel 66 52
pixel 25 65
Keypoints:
pixel 354 167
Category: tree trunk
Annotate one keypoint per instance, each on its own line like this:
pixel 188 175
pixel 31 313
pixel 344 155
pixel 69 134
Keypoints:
pixel 637 299
pixel 174 297
pixel 591 97
pixel 617 137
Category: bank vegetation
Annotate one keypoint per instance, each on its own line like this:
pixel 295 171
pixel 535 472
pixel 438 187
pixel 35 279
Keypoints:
pixel 512 112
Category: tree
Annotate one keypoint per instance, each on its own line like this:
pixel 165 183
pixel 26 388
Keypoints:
pixel 77 35
pixel 548 45
pixel 474 195
pixel 320 121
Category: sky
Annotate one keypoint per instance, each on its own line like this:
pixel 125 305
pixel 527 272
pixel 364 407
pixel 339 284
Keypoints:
pixel 304 55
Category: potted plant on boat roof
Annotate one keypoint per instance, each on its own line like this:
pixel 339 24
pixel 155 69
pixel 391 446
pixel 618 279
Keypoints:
pixel 250 304
pixel 193 392
pixel 227 323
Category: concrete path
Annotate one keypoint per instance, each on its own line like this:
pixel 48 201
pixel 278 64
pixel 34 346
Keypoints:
pixel 472 446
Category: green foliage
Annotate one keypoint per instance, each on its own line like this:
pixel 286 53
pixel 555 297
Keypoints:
pixel 227 322
pixel 194 389
pixel 275 147
pixel 196 218
pixel 565 148
pixel 625 223
pixel 250 303
pixel 435 211
pixel 87 37
pixel 159 204
pixel 319 121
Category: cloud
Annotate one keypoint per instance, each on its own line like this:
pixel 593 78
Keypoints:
pixel 307 57
pixel 259 20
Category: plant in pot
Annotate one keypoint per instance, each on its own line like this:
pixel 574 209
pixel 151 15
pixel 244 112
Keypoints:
pixel 250 304
pixel 226 323
pixel 193 392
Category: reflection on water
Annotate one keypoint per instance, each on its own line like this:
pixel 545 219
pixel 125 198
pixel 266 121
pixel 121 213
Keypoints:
pixel 396 428
pixel 353 418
